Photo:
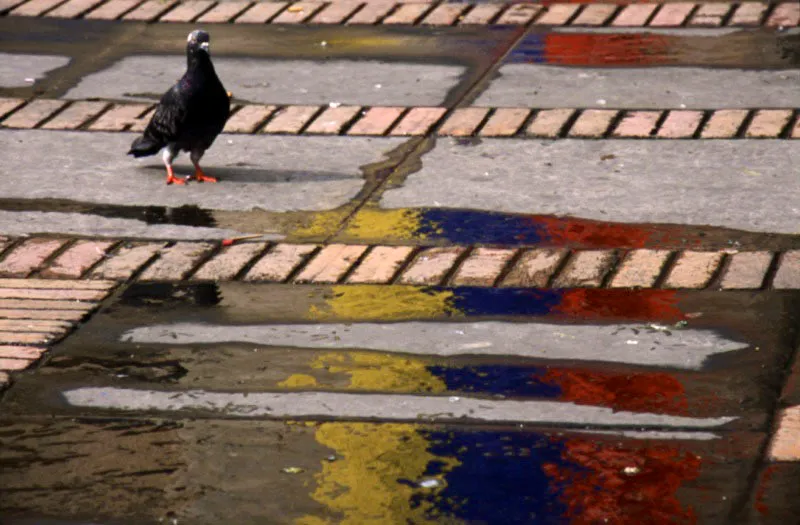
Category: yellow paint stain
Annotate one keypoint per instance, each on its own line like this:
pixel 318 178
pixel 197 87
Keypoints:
pixel 379 302
pixel 299 381
pixel 381 225
pixel 320 225
pixel 363 486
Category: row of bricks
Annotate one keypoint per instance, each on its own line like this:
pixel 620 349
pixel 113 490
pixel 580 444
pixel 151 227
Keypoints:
pixel 35 313
pixel 399 121
pixel 424 13
pixel 360 264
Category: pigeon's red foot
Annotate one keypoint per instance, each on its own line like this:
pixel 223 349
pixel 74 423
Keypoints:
pixel 199 176
pixel 173 179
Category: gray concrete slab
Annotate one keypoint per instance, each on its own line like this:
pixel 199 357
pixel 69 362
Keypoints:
pixel 744 184
pixel 18 70
pixel 532 85
pixel 275 173
pixel 368 82
pixel 374 406
pixel 619 343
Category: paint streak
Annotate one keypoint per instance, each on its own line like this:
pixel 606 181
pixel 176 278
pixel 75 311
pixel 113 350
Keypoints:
pixel 763 490
pixel 597 489
pixel 610 305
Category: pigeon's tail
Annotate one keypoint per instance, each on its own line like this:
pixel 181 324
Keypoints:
pixel 144 146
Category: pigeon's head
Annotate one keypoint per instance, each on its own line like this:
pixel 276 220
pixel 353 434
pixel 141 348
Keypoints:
pixel 197 42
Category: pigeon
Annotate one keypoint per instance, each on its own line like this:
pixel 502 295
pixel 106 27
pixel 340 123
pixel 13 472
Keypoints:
pixel 190 115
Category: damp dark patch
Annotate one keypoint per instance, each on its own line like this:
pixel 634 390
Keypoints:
pixel 140 370
pixel 165 294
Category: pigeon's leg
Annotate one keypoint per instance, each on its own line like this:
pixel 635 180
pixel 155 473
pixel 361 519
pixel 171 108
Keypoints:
pixel 198 171
pixel 168 156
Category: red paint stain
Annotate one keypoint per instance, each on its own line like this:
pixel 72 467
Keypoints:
pixel 599 49
pixel 763 486
pixel 647 392
pixel 598 489
pixel 609 305
pixel 595 234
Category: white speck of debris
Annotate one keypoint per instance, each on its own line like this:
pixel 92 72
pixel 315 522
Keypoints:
pixel 30 79
pixel 659 327
pixel 632 342
pixel 630 471
pixel 485 173
pixel 292 470
pixel 601 101
pixel 230 141
pixel 378 86
pixel 331 458
pixel 429 483
pixel 683 106
pixel 323 43
pixel 480 344
pixel 334 104
pixel 454 399
pixel 459 332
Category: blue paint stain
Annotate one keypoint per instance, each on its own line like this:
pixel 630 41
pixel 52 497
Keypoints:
pixel 470 226
pixel 474 301
pixel 532 50
pixel 498 379
pixel 499 479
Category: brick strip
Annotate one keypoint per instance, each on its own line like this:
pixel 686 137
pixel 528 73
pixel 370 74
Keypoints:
pixel 534 268
pixel 585 269
pixel 127 261
pixel 482 267
pixel 416 121
pixel 380 264
pixel 77 259
pixel 693 269
pixel 279 263
pixel 228 263
pixel 330 264
pixel 223 12
pixel 27 257
pixel 112 9
pixel 74 8
pixel 176 262
pixel 430 266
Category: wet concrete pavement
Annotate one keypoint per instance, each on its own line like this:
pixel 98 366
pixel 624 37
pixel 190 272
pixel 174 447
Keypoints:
pixel 308 403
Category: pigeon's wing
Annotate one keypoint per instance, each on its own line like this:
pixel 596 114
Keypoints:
pixel 168 118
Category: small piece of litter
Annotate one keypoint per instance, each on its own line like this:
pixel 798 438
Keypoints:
pixel 429 483
pixel 323 43
pixel 334 104
pixel 632 342
pixel 292 470
pixel 601 101
pixel 681 324
pixel 331 458
pixel 30 80
pixel 378 86
pixel 453 399
pixel 630 471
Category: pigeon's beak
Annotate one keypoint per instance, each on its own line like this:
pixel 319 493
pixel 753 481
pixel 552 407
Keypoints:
pixel 204 46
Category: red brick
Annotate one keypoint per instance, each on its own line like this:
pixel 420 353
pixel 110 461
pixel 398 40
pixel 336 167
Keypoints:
pixel 139 124
pixel 112 9
pixel 786 14
pixel 418 121
pixel 6 5
pixel 406 14
pixel 504 122
pixel 723 124
pixel 746 270
pixel 376 121
pixel 34 7
pixel 187 11
pixel 463 122
pixel 261 12
pixel 680 124
pixel 290 119
pixel 634 15
pixel 637 124
pixel 482 267
pixel 119 117
pixel 481 14
pixel 335 13
pixel 44 304
pixel 75 115
pixel 177 261
pixel 32 114
pixel 127 261
pixel 693 270
pixel 585 269
pixel 332 120
pixel 371 13
pixel 19 364
pixel 77 259
pixel 430 266
pixel 380 264
pixel 297 13
pixel 223 12
pixel 248 119
pixel 330 264
pixel 672 14
pixel 709 15
pixel 28 256
pixel 51 284
pixel 640 269
pixel 64 315
pixel 444 14
pixel 748 14
pixel 65 295
pixel 23 352
pixel 785 445
pixel 534 268
pixel 594 15
pixel 227 264
pixel 788 275
pixel 768 123
pixel 557 14
pixel 592 123
pixel 7 105
pixel 150 10
pixel 73 8
pixel 519 14
pixel 34 326
pixel 277 264
pixel 549 122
